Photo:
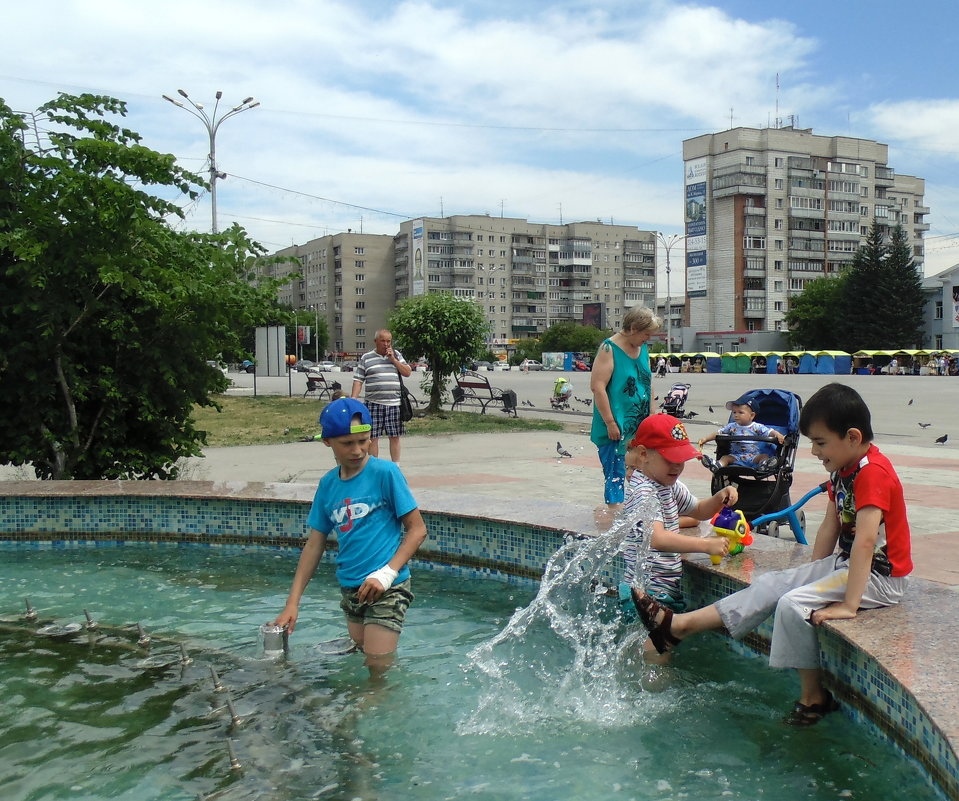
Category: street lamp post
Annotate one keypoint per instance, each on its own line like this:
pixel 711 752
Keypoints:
pixel 668 244
pixel 212 123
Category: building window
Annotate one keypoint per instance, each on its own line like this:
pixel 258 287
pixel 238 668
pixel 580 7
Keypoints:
pixel 777 264
pixel 360 290
pixel 361 332
pixel 778 183
pixel 755 242
pixel 361 304
pixel 359 264
pixel 779 202
pixel 361 318
pixel 360 346
pixel 779 162
pixel 777 305
pixel 361 276
pixel 778 225
pixel 358 251
pixel 777 286
pixel 938 344
pixel 938 309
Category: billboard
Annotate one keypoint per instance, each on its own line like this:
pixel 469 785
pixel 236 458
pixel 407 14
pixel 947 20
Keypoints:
pixel 593 314
pixel 417 256
pixel 696 227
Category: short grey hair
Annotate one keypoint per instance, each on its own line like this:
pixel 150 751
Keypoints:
pixel 639 318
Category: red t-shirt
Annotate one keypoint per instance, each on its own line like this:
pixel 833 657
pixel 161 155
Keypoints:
pixel 873 482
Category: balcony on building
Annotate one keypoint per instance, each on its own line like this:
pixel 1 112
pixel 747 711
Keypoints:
pixel 884 176
pixel 742 179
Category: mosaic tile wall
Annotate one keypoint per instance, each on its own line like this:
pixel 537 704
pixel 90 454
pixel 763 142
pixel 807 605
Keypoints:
pixel 517 553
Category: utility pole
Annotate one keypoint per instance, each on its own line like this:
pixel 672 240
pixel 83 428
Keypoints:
pixel 668 243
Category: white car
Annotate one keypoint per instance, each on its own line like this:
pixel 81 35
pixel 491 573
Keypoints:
pixel 530 364
pixel 324 367
pixel 499 366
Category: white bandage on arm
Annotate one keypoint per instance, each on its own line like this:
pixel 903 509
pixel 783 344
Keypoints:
pixel 386 575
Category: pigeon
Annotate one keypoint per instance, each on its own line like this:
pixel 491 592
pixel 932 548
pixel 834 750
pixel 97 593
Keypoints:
pixel 910 402
pixel 692 414
pixel 924 425
pixel 711 410
pixel 939 440
pixel 562 451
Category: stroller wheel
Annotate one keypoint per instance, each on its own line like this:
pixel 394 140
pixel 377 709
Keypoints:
pixel 801 514
pixel 772 528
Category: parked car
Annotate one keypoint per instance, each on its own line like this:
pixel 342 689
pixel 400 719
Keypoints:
pixel 500 366
pixel 530 364
pixel 481 365
pixel 324 367
pixel 216 366
pixel 348 366
pixel 304 366
pixel 420 365
pixel 246 366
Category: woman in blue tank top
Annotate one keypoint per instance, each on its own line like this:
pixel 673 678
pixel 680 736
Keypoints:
pixel 621 384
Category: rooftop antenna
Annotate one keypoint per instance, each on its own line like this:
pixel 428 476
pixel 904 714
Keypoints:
pixel 778 125
pixel 560 213
pixel 730 118
pixel 441 207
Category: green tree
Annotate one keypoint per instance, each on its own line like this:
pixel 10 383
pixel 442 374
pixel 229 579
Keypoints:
pixel 881 305
pixel 107 314
pixel 526 349
pixel 447 331
pixel 569 336
pixel 812 315
pixel 906 302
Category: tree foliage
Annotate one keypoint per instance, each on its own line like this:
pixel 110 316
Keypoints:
pixel 875 304
pixel 570 336
pixel 107 314
pixel 812 315
pixel 445 330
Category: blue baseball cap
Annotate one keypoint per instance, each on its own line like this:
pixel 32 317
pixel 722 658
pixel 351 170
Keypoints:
pixel 336 420
pixel 744 400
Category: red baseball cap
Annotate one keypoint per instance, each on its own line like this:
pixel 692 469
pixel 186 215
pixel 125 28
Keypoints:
pixel 667 436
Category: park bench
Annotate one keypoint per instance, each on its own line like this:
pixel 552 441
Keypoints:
pixel 318 387
pixel 475 389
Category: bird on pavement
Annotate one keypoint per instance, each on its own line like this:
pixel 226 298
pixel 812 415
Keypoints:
pixel 711 410
pixel 910 402
pixel 692 414
pixel 562 451
pixel 943 439
pixel 924 425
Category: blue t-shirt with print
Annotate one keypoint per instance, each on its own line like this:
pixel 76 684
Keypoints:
pixel 363 514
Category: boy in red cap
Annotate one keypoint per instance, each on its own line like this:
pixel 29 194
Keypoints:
pixel 659 452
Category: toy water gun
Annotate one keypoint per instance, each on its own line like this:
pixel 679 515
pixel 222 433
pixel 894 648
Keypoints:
pixel 731 524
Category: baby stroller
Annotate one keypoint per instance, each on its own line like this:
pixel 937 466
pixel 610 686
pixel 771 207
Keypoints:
pixel 764 488
pixel 675 401
pixel 562 392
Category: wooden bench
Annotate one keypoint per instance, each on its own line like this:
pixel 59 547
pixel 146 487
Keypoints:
pixel 475 389
pixel 318 387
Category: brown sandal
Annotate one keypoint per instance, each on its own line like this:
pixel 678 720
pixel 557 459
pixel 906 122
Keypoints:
pixel 811 714
pixel 660 633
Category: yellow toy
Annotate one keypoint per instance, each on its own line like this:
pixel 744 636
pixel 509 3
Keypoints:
pixel 731 524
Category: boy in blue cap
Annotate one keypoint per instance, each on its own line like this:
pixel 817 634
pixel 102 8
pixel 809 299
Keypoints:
pixel 366 503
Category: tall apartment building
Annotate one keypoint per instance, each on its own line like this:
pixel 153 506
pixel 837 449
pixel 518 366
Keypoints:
pixel 768 210
pixel 347 280
pixel 528 276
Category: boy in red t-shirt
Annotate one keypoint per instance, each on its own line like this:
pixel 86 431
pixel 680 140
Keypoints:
pixel 866 518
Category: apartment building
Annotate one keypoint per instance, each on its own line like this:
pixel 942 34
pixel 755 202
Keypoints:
pixel 527 276
pixel 346 279
pixel 768 210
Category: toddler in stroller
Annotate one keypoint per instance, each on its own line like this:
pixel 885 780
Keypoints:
pixel 752 450
pixel 764 473
pixel 674 403
pixel 562 393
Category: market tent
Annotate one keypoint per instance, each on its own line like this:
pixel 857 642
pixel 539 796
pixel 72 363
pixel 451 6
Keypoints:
pixel 736 362
pixel 833 362
pixel 807 363
pixel 772 362
pixel 714 362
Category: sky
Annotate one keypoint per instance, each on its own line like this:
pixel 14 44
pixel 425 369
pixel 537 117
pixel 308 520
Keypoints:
pixel 374 112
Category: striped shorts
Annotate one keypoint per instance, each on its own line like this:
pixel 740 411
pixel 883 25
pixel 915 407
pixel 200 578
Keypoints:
pixel 386 421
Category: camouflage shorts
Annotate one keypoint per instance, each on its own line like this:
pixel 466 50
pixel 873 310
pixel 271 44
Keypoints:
pixel 389 611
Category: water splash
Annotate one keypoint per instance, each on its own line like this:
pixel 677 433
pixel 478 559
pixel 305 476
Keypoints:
pixel 567 658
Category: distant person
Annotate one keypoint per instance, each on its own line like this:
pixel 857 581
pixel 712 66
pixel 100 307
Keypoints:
pixel 661 367
pixel 860 560
pixel 366 504
pixel 621 384
pixel 893 367
pixel 747 453
pixel 380 370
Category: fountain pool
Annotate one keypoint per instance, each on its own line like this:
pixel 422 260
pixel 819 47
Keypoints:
pixel 94 716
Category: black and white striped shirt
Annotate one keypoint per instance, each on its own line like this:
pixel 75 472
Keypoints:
pixel 380 377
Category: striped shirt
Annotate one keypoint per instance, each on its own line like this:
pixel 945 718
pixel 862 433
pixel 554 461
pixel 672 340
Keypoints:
pixel 380 377
pixel 663 571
